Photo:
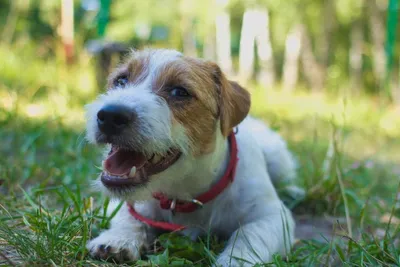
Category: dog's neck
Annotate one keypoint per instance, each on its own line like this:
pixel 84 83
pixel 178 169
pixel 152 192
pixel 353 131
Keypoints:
pixel 204 172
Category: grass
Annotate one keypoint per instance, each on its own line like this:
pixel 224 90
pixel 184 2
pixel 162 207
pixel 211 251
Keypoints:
pixel 48 211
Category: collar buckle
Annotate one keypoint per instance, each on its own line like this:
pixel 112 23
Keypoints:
pixel 197 202
pixel 173 206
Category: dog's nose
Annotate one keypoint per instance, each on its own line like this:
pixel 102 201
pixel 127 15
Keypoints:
pixel 112 119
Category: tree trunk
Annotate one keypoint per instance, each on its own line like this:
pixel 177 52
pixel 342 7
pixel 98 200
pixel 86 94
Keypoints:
pixel 311 68
pixel 328 26
pixel 188 35
pixel 291 61
pixel 255 29
pixel 223 40
pixel 67 29
pixel 397 92
pixel 209 46
pixel 378 41
pixel 355 56
pixel 246 49
pixel 266 75
pixel 11 23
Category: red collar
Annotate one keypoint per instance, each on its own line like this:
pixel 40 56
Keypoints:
pixel 184 206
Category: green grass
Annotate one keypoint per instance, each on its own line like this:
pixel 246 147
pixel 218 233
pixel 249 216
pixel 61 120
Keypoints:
pixel 48 210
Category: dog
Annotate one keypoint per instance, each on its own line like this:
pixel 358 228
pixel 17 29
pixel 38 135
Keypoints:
pixel 185 156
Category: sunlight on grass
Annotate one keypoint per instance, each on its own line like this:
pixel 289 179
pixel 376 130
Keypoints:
pixel 361 114
pixel 368 129
pixel 47 90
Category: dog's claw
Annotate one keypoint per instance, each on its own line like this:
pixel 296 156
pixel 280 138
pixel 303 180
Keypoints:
pixel 110 247
pixel 104 248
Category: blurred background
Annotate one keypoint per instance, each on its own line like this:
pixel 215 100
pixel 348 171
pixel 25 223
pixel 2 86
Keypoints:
pixel 343 46
pixel 324 73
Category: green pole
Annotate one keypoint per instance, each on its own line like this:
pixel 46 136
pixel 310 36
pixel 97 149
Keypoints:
pixel 391 27
pixel 103 17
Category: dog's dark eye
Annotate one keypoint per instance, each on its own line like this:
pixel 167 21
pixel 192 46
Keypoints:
pixel 121 81
pixel 179 92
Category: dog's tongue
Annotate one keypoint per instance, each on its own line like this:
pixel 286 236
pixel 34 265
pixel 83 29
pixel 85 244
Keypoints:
pixel 120 162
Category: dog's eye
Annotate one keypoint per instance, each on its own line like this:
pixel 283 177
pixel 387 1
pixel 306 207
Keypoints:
pixel 121 81
pixel 179 92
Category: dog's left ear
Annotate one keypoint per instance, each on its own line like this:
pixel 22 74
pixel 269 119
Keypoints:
pixel 234 101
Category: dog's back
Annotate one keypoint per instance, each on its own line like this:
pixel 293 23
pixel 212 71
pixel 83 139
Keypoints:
pixel 280 162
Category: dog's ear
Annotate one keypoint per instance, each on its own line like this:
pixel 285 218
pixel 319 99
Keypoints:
pixel 234 101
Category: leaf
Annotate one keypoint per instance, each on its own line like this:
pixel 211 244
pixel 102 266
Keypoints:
pixel 29 199
pixel 175 242
pixel 26 221
pixel 160 259
pixel 340 252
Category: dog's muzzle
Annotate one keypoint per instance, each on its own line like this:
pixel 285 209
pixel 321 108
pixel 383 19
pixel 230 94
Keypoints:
pixel 127 166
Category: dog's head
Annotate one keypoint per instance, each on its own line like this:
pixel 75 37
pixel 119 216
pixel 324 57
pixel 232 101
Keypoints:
pixel 160 110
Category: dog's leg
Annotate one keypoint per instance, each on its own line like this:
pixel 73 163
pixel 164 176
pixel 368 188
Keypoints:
pixel 125 240
pixel 257 241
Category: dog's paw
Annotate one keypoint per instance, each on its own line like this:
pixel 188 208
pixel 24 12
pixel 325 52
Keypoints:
pixel 116 246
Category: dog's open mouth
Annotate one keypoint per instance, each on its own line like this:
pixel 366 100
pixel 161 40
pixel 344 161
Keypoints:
pixel 126 168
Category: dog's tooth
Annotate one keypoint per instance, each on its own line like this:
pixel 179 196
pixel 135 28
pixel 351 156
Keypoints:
pixel 132 172
pixel 103 164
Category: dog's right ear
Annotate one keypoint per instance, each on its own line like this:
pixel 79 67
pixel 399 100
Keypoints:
pixel 234 101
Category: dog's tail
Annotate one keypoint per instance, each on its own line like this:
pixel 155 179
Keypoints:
pixel 281 164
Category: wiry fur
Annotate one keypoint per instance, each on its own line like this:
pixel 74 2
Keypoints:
pixel 248 212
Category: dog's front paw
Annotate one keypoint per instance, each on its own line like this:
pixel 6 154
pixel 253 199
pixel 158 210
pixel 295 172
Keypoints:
pixel 116 246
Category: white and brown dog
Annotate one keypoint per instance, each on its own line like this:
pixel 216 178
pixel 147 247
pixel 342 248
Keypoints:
pixel 185 155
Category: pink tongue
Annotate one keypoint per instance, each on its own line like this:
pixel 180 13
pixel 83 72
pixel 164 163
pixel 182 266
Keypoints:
pixel 120 162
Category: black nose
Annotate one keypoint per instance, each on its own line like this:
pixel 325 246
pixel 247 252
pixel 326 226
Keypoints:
pixel 112 119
